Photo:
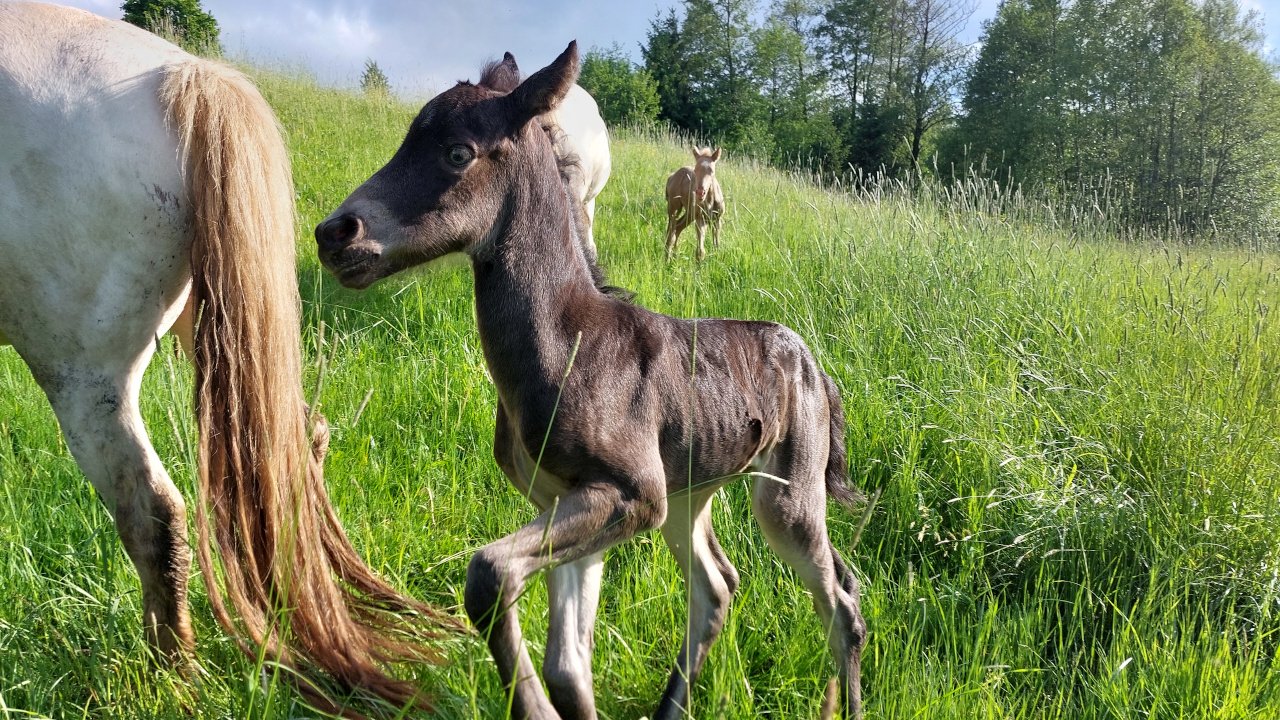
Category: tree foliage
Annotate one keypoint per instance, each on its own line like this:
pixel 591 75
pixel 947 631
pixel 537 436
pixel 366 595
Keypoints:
pixel 373 81
pixel 625 94
pixel 181 21
pixel 1164 112
pixel 1165 107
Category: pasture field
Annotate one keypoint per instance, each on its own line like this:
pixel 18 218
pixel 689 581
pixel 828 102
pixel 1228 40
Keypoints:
pixel 1072 447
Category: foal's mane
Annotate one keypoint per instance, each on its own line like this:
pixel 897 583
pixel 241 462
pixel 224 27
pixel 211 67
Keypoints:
pixel 504 76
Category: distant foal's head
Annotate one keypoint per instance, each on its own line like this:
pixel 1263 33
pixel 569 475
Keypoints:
pixel 704 170
pixel 446 188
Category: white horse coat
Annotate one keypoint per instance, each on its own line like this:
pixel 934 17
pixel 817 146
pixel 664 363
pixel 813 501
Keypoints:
pixel 86 142
pixel 588 138
pixel 128 168
pixel 94 264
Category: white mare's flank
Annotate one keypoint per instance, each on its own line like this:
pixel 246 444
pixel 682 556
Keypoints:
pixel 132 174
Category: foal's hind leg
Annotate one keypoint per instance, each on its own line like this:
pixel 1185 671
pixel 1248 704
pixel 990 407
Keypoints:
pixel 711 581
pixel 97 408
pixel 793 518
pixel 675 225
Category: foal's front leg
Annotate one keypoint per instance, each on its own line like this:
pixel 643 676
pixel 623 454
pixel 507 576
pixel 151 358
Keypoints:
pixel 702 233
pixel 584 521
pixel 674 228
pixel 573 595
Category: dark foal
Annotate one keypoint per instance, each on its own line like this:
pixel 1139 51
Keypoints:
pixel 651 418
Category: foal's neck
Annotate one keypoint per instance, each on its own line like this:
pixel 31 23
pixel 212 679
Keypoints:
pixel 529 282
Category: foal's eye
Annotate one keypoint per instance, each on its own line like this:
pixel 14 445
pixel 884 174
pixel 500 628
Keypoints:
pixel 460 155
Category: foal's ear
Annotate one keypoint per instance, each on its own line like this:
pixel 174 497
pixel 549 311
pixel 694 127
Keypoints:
pixel 544 90
pixel 502 76
pixel 715 156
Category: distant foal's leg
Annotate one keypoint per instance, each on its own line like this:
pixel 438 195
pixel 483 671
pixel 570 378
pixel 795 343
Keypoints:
pixel 711 581
pixel 573 595
pixel 793 518
pixel 716 215
pixel 701 220
pixel 674 227
pixel 184 328
pixel 587 520
pixel 98 411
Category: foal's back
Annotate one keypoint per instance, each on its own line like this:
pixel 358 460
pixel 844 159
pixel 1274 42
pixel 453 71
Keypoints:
pixel 661 381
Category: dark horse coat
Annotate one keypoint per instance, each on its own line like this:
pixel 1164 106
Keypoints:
pixel 613 419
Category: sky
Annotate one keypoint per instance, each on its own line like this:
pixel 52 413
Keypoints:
pixel 424 46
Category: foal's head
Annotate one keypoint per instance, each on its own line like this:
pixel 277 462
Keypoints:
pixel 704 170
pixel 446 189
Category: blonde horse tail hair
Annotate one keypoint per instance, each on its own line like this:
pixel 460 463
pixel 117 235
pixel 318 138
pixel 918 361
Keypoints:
pixel 288 585
pixel 830 700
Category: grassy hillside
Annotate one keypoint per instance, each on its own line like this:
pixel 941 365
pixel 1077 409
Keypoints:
pixel 1074 450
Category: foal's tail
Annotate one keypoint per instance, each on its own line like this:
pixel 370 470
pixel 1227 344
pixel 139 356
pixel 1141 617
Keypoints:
pixel 297 590
pixel 838 485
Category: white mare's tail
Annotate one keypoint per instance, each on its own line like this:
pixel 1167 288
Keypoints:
pixel 288 579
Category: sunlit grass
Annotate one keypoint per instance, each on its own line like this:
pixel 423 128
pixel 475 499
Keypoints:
pixel 1076 445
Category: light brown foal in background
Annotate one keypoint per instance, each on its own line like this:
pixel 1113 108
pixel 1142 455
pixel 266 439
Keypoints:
pixel 694 196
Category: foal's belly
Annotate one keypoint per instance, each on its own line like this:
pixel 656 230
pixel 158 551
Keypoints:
pixel 542 487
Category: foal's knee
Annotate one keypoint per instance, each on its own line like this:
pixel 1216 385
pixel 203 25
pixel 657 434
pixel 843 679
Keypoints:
pixel 857 632
pixel 483 596
pixel 731 579
pixel 647 511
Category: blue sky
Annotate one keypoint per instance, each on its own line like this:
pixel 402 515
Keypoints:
pixel 425 46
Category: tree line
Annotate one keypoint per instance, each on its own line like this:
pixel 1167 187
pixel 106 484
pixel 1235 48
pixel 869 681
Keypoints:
pixel 1166 112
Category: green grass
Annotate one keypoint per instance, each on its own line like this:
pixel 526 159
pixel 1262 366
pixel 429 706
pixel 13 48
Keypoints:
pixel 1075 446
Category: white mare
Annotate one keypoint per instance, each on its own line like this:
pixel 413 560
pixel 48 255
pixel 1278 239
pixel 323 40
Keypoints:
pixel 94 258
pixel 585 133
pixel 126 168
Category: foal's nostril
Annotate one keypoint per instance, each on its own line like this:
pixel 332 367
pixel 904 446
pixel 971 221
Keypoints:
pixel 337 233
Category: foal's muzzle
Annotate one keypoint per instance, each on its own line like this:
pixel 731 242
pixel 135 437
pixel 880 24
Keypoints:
pixel 336 233
pixel 341 248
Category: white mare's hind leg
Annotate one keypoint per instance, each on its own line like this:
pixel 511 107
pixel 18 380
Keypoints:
pixel 95 233
pixel 97 408
pixel 793 518
pixel 87 343
pixel 573 594
pixel 589 242
pixel 711 581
